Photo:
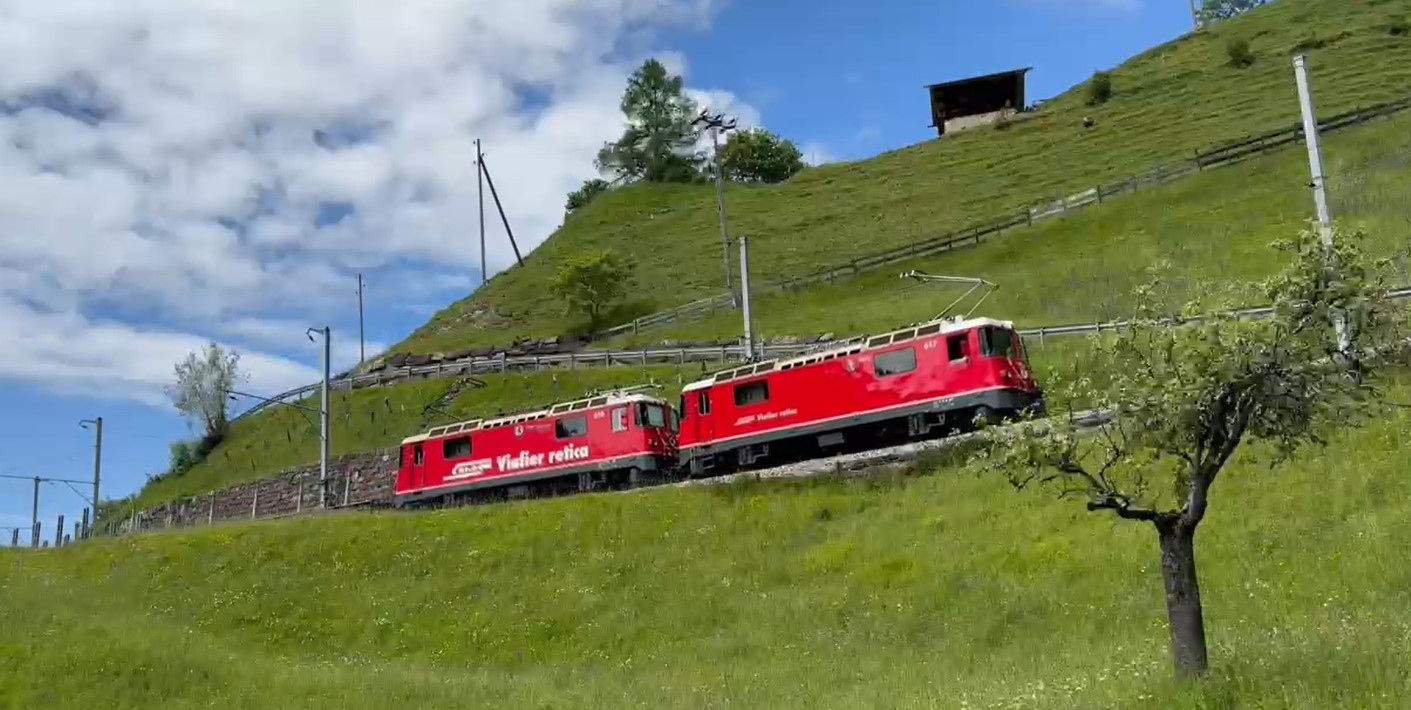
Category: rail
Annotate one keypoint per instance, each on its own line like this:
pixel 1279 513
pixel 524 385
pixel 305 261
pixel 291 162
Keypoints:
pixel 674 356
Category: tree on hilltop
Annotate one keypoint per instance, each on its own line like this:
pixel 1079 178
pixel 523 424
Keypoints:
pixel 756 155
pixel 1216 10
pixel 1183 398
pixel 658 144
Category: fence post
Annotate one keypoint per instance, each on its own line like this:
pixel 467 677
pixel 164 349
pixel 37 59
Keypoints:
pixel 59 532
pixel 34 534
pixel 77 530
pixel 15 537
pixel 347 486
pixel 255 502
pixel 86 532
pixel 299 499
pixel 211 514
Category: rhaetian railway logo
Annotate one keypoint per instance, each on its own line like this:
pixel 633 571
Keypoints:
pixel 523 461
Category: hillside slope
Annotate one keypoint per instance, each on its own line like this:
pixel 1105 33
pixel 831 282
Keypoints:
pixel 1169 102
pixel 1215 228
pixel 938 591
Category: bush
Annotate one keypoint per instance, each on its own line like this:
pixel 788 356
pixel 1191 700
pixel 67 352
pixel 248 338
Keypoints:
pixel 1099 88
pixel 585 194
pixel 1397 25
pixel 1239 52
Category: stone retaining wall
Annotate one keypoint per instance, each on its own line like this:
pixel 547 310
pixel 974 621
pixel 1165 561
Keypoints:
pixel 353 481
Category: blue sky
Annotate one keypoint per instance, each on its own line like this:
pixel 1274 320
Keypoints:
pixel 133 238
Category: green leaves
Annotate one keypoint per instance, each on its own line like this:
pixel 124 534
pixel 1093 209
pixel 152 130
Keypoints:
pixel 592 284
pixel 1185 392
pixel 659 143
pixel 756 155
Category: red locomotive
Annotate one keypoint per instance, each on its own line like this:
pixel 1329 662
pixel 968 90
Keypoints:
pixel 861 394
pixel 920 381
pixel 607 440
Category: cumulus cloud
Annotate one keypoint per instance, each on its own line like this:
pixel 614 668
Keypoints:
pixel 176 171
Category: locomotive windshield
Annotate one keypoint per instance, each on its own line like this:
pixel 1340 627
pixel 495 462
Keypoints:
pixel 996 342
pixel 651 415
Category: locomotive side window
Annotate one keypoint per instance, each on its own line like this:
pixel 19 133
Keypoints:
pixel 452 449
pixel 619 419
pixel 703 402
pixel 752 393
pixel 894 363
pixel 569 428
pixel 417 456
pixel 996 342
pixel 955 347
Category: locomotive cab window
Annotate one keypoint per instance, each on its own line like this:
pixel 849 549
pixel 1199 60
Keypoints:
pixel 894 363
pixel 619 419
pixel 996 342
pixel 955 347
pixel 650 415
pixel 417 456
pixel 452 449
pixel 752 393
pixel 703 402
pixel 570 428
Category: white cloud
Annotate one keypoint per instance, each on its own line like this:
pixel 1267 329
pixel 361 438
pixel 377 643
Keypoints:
pixel 75 355
pixel 177 200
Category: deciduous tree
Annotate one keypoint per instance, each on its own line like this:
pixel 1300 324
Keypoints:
pixel 756 155
pixel 200 393
pixel 1183 396
pixel 593 285
pixel 1216 10
pixel 659 142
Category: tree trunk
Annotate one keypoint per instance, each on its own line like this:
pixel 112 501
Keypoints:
pixel 1183 609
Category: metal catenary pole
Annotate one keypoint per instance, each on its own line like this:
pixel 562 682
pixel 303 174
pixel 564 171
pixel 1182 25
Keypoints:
pixel 362 348
pixel 720 207
pixel 323 422
pixel 745 293
pixel 1315 166
pixel 34 515
pixel 97 459
pixel 480 187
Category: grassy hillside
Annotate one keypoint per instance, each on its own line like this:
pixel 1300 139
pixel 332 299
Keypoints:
pixel 1168 103
pixel 277 438
pixel 1081 268
pixel 938 591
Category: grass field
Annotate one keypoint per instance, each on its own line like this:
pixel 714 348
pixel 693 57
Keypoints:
pixel 1168 102
pixel 944 590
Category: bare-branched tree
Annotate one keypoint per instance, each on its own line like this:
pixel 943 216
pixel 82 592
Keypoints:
pixel 1183 395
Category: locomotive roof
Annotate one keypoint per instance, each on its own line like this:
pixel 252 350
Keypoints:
pixel 597 399
pixel 851 346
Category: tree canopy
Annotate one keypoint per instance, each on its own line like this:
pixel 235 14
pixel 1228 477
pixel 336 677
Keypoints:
pixel 592 285
pixel 756 155
pixel 585 194
pixel 200 392
pixel 1175 399
pixel 1216 10
pixel 658 144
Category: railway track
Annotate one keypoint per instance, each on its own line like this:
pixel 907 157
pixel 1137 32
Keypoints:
pixel 855 464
